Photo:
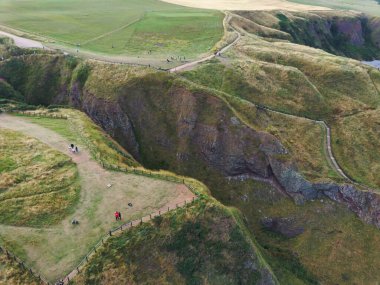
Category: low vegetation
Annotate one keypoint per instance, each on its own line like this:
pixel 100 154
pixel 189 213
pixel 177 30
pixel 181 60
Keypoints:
pixel 11 273
pixel 357 147
pixel 39 186
pixel 79 128
pixel 147 28
pixel 320 242
pixel 196 245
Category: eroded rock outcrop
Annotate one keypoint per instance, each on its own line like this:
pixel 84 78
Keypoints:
pixel 192 132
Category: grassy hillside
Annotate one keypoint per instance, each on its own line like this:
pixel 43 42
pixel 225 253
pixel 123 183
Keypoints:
pixel 202 124
pixel 304 82
pixel 33 176
pixel 357 146
pixel 346 33
pixel 147 28
pixel 12 274
pixel 202 244
pixel 320 242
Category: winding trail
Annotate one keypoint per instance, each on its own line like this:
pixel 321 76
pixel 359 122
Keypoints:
pixel 329 154
pixel 192 64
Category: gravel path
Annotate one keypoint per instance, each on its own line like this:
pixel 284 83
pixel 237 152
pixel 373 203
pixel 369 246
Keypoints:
pixel 22 42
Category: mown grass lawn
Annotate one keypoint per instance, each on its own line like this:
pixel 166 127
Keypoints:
pixel 119 27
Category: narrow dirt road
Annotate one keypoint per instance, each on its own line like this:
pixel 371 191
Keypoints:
pixel 58 249
pixel 192 64
pixel 22 42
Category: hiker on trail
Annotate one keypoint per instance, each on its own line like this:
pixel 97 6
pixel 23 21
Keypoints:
pixel 116 215
pixel 119 215
pixel 76 149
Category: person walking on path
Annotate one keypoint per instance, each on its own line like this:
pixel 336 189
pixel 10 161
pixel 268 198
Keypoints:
pixel 116 215
pixel 119 215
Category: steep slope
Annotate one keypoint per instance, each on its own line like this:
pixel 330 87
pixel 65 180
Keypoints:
pixel 252 158
pixel 13 273
pixel 201 244
pixel 346 33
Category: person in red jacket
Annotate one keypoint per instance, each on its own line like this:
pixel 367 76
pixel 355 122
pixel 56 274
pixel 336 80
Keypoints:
pixel 117 215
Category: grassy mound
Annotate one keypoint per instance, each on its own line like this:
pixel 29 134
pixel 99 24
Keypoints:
pixel 39 186
pixel 201 244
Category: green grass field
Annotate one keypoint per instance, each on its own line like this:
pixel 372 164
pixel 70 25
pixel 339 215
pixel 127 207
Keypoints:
pixel 146 28
pixel 371 7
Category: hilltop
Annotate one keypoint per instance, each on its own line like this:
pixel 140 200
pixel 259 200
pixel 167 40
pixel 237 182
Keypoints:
pixel 253 126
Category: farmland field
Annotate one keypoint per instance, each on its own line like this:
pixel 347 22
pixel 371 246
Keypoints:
pixel 144 28
pixel 371 7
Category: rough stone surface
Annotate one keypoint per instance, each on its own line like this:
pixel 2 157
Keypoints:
pixel 283 226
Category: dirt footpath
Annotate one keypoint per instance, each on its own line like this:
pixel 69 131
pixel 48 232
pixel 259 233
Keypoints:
pixel 95 208
pixel 22 42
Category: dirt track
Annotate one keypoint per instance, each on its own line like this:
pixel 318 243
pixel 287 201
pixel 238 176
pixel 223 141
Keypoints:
pixel 22 42
pixel 95 209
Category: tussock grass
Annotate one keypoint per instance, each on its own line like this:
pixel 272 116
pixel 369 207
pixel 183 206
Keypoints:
pixel 38 186
pixel 356 145
pixel 11 273
pixel 335 247
pixel 198 244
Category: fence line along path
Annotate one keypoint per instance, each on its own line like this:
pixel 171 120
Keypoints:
pixel 119 230
pixel 94 176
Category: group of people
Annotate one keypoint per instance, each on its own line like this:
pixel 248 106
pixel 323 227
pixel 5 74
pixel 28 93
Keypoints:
pixel 117 215
pixel 73 148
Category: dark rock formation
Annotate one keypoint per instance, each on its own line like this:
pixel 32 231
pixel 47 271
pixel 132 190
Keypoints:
pixel 364 203
pixel 283 226
pixel 196 134
pixel 345 33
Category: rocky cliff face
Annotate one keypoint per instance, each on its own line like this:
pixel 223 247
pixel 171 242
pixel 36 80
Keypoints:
pixel 339 32
pixel 167 125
